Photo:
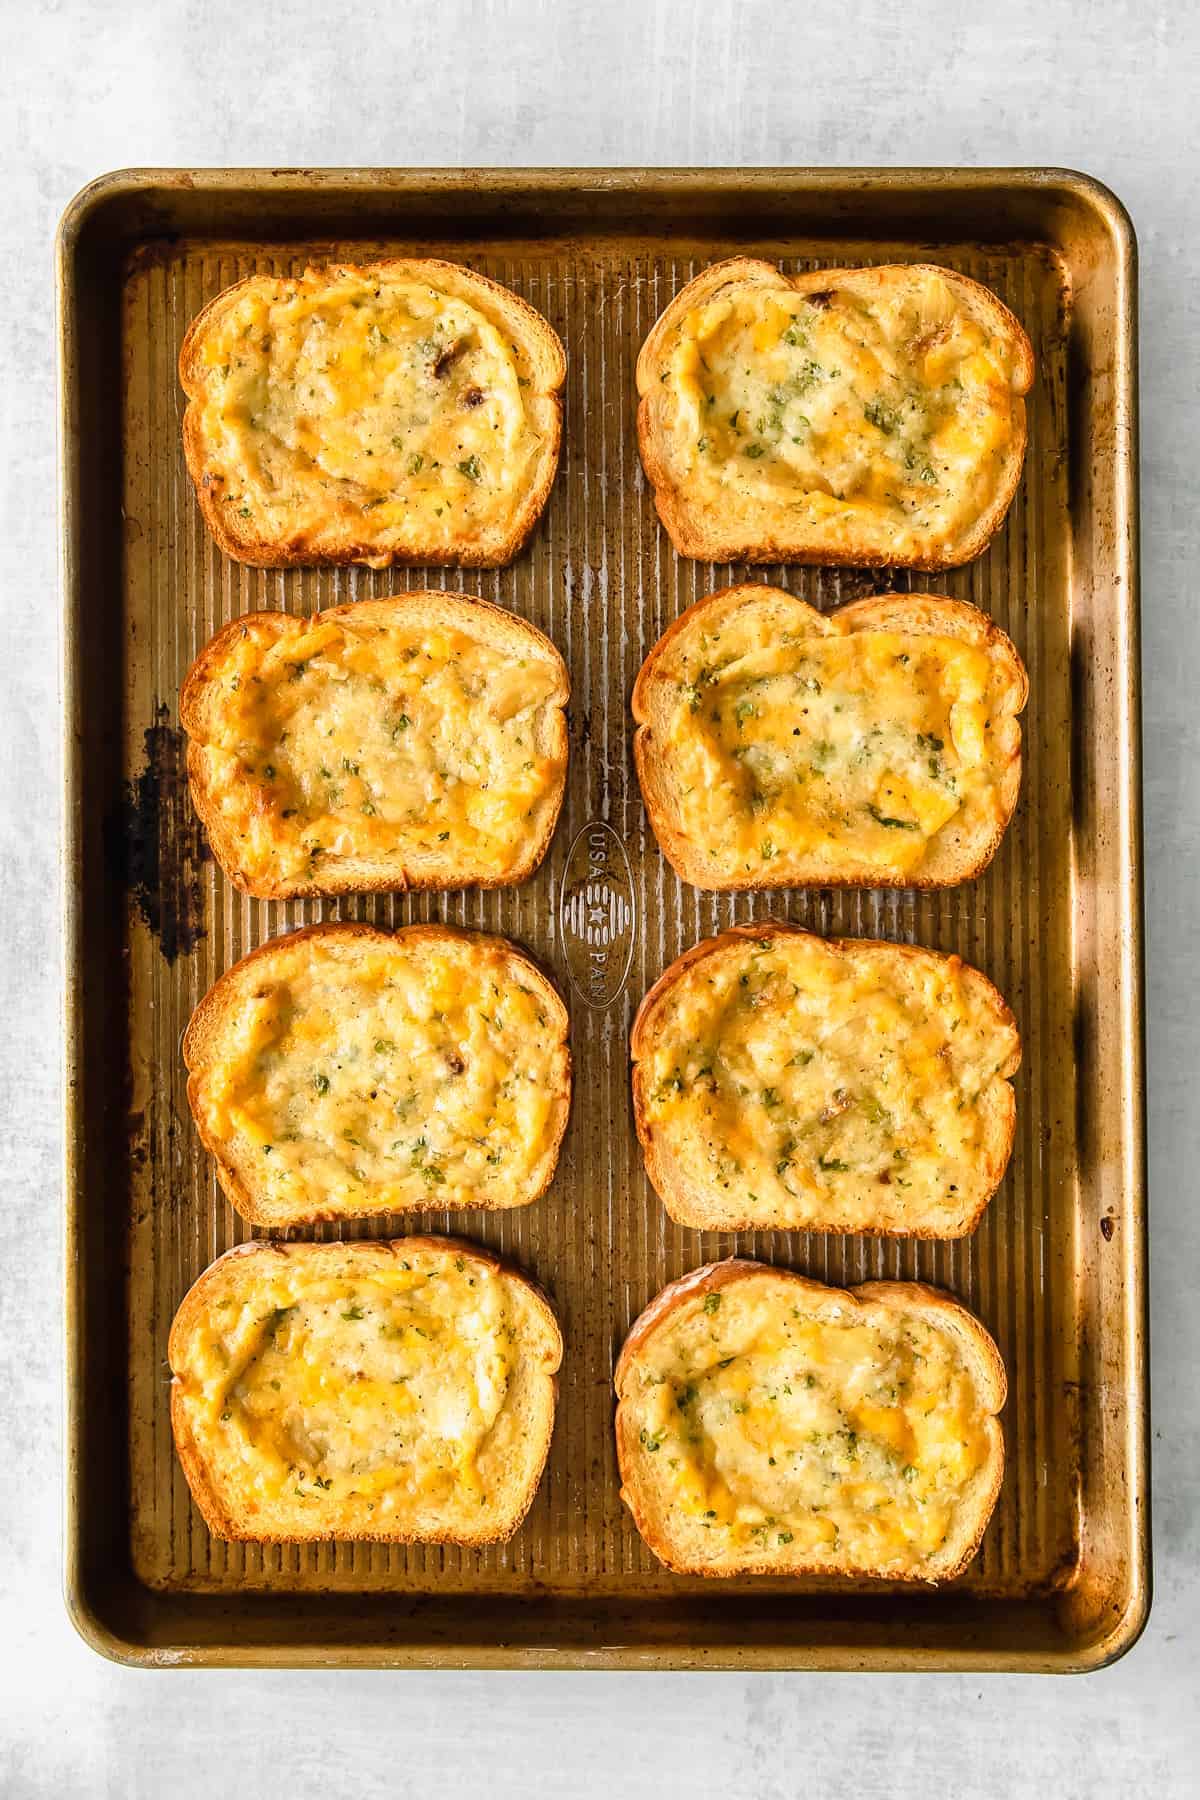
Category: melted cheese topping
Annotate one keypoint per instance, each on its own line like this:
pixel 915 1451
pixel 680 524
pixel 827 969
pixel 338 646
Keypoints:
pixel 360 1394
pixel 789 1433
pixel 397 744
pixel 405 1074
pixel 798 1084
pixel 832 751
pixel 357 401
pixel 883 414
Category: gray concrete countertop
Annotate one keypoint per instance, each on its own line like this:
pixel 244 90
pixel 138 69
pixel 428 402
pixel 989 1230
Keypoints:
pixel 1110 88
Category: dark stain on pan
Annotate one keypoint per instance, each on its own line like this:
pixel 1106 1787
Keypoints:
pixel 155 843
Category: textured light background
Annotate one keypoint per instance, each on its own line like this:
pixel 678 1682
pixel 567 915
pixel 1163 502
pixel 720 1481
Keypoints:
pixel 1110 88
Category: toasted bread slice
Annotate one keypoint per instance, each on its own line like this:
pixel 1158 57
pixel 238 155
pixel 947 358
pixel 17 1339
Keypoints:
pixel 854 416
pixel 401 1391
pixel 769 1425
pixel 415 742
pixel 398 412
pixel 343 1072
pixel 874 746
pixel 792 1082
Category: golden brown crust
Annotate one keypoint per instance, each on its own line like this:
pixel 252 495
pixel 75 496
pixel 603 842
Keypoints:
pixel 904 1296
pixel 225 1524
pixel 199 1041
pixel 933 614
pixel 362 875
pixel 689 1205
pixel 527 326
pixel 706 540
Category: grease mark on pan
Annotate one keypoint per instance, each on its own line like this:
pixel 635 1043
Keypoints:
pixel 155 846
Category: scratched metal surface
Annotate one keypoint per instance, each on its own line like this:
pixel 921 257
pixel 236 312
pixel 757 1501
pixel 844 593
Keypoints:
pixel 605 915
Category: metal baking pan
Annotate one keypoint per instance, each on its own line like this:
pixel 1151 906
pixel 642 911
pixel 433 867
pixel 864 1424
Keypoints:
pixel 1057 1268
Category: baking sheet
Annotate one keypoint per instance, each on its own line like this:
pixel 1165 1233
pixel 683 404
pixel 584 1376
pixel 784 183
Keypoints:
pixel 1056 1268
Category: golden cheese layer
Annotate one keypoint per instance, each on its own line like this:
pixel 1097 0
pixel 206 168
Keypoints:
pixel 849 1435
pixel 347 1393
pixel 884 414
pixel 372 401
pixel 792 1082
pixel 421 747
pixel 428 1070
pixel 800 742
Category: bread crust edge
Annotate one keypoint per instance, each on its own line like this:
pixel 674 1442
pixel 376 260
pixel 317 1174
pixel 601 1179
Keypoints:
pixel 349 881
pixel 660 1166
pixel 541 340
pixel 209 1012
pixel 711 1278
pixel 692 539
pixel 224 1524
pixel 961 618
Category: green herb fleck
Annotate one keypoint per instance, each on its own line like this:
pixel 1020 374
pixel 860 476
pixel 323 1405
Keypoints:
pixel 884 418
pixel 882 818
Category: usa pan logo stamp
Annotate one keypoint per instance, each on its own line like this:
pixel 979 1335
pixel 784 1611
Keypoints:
pixel 596 914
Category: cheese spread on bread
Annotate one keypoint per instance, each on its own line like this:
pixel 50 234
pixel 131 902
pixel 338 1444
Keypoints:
pixel 418 741
pixel 363 1389
pixel 868 415
pixel 783 1080
pixel 776 1423
pixel 877 745
pixel 342 1071
pixel 395 412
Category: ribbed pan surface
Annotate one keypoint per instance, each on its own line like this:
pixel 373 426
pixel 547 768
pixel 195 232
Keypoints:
pixel 603 581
